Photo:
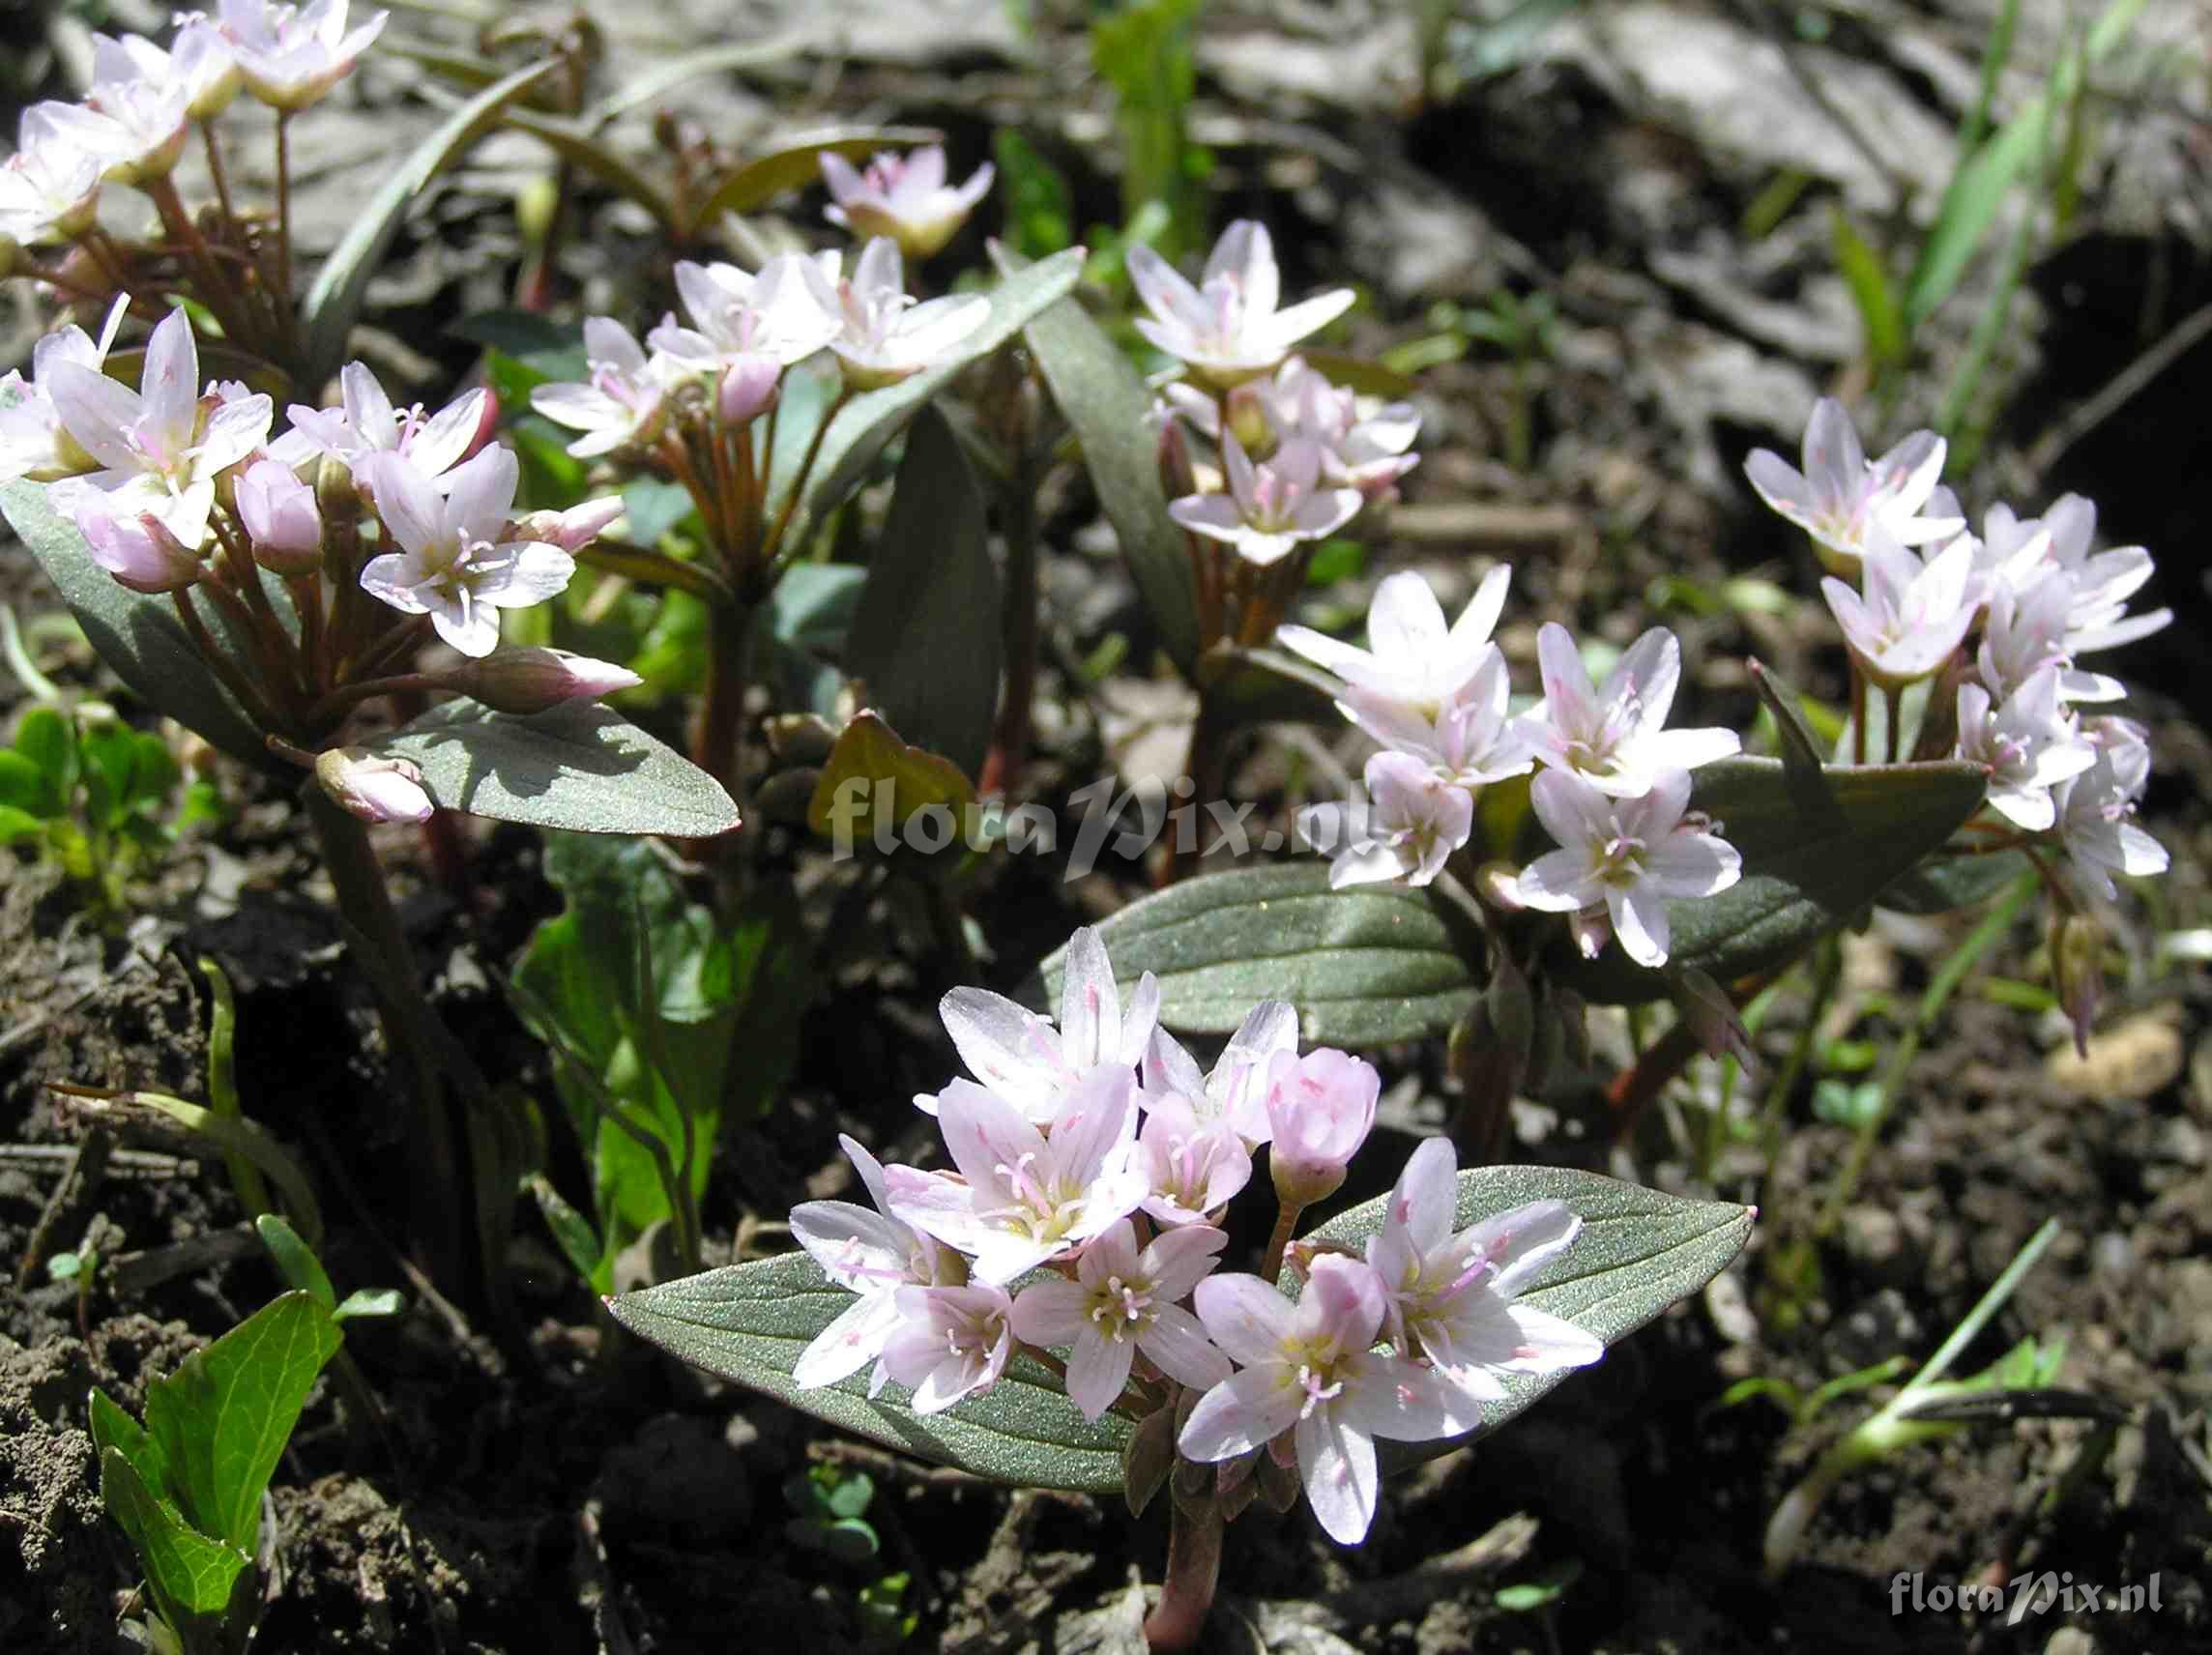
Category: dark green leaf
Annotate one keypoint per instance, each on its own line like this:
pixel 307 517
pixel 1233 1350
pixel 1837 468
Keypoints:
pixel 196 1581
pixel 112 1428
pixel 796 164
pixel 1267 686
pixel 25 786
pixel 46 738
pixel 111 752
pixel 539 342
pixel 1952 883
pixel 334 302
pixel 1365 967
pixel 296 1261
pixel 136 635
pixel 223 1417
pixel 1639 1251
pixel 866 422
pixel 1106 402
pixel 1805 871
pixel 749 1322
pixel 582 768
pixel 1041 210
pixel 931 580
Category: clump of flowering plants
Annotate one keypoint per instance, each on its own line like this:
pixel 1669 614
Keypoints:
pixel 1060 1307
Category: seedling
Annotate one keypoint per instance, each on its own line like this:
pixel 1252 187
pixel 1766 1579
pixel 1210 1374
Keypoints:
pixel 93 795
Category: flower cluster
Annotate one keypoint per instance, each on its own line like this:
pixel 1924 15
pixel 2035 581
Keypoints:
pixel 1613 786
pixel 1994 626
pixel 1092 1161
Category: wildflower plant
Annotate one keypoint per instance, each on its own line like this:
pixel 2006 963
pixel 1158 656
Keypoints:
pixel 1061 1309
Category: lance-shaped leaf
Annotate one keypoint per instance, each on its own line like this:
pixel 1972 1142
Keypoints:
pixel 1806 869
pixel 201 1586
pixel 1102 397
pixel 1364 967
pixel 136 633
pixel 930 580
pixel 1640 1251
pixel 798 163
pixel 1953 883
pixel 580 766
pixel 223 1417
pixel 334 302
pixel 858 433
pixel 751 1323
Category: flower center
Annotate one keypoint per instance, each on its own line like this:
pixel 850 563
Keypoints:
pixel 1123 1309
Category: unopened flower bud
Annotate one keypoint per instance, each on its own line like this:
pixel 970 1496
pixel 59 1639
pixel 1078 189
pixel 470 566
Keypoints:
pixel 536 678
pixel 1320 1109
pixel 282 518
pixel 372 787
pixel 748 388
pixel 336 494
pixel 1499 886
pixel 1248 421
pixel 2078 971
pixel 570 529
pixel 139 552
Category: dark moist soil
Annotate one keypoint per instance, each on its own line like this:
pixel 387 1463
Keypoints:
pixel 565 1489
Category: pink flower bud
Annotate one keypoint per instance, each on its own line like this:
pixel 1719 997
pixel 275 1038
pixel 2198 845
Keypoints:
pixel 1320 1108
pixel 570 529
pixel 748 388
pixel 533 680
pixel 282 518
pixel 371 787
pixel 139 552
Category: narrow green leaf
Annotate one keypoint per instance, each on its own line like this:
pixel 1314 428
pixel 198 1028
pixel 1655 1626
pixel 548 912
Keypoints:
pixel 1365 967
pixel 1873 292
pixel 796 164
pixel 195 1580
pixel 749 1322
pixel 866 422
pixel 1103 398
pixel 334 302
pixel 1640 1251
pixel 584 768
pixel 1970 203
pixel 238 1136
pixel 372 1302
pixel 572 1231
pixel 296 1261
pixel 136 635
pixel 931 579
pixel 223 1417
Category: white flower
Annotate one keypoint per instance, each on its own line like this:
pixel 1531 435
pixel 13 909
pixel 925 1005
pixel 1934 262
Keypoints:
pixel 1310 1369
pixel 778 315
pixel 1363 446
pixel 1024 1059
pixel 198 77
pixel 951 1342
pixel 1449 1295
pixel 49 188
pixel 1227 328
pixel 365 423
pixel 872 1254
pixel 1839 498
pixel 291 56
pixel 135 127
pixel 1234 1094
pixel 1613 738
pixel 2030 743
pixel 883 337
pixel 1124 1302
pixel 1915 615
pixel 1271 509
pixel 1469 743
pixel 1407 829
pixel 1024 1197
pixel 2096 810
pixel 1412 660
pixel 162 445
pixel 905 198
pixel 1193 1167
pixel 621 400
pixel 1626 855
pixel 34 443
pixel 454 566
pixel 200 59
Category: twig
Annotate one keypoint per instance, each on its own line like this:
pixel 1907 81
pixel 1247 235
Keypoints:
pixel 2086 417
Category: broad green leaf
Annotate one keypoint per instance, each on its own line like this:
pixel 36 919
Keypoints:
pixel 223 1417
pixel 866 422
pixel 749 1322
pixel 296 1261
pixel 1805 871
pixel 197 1581
pixel 334 302
pixel 112 1428
pixel 1640 1251
pixel 900 781
pixel 1365 967
pixel 1104 400
pixel 582 768
pixel 1953 883
pixel 138 636
pixel 931 580
pixel 45 737
pixel 796 164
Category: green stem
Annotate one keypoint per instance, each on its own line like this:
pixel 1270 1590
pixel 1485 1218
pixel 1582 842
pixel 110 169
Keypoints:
pixel 774 543
pixel 722 703
pixel 1194 1572
pixel 1012 742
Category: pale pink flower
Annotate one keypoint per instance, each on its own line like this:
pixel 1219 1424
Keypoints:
pixel 292 55
pixel 1364 443
pixel 903 197
pixel 1841 500
pixel 884 336
pixel 872 1254
pixel 1025 1196
pixel 282 517
pixel 774 318
pixel 453 565
pixel 365 423
pixel 1234 1093
pixel 621 399
pixel 1227 328
pixel 1320 1108
pixel 1192 1167
pixel 2096 810
pixel 1413 663
pixel 1271 508
pixel 1913 615
pixel 49 188
pixel 34 441
pixel 1310 1369
pixel 1450 1294
pixel 134 546
pixel 1471 741
pixel 372 787
pixel 135 129
pixel 1124 1302
pixel 2029 743
pixel 1625 856
pixel 1407 828
pixel 1615 737
pixel 951 1342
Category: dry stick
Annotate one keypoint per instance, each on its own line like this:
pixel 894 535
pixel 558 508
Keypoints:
pixel 2120 390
